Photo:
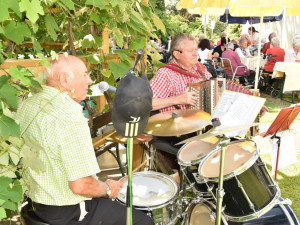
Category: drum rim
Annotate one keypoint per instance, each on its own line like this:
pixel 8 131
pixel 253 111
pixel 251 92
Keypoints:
pixel 206 203
pixel 237 171
pixel 187 163
pixel 172 198
pixel 260 212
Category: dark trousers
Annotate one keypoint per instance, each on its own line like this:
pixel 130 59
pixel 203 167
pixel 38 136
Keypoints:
pixel 101 211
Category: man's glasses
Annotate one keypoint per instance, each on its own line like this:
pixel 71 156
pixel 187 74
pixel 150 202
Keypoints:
pixel 189 51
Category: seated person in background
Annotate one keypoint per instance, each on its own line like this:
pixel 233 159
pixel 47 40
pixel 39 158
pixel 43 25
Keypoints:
pixel 254 35
pixel 222 35
pixel 212 44
pixel 268 44
pixel 201 37
pixel 169 86
pixel 293 53
pixel 234 44
pixel 204 51
pixel 243 50
pixel 217 52
pixel 274 50
pixel 235 62
pixel 67 190
pixel 247 38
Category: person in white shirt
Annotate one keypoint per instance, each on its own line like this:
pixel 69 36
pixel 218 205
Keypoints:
pixel 204 51
pixel 293 53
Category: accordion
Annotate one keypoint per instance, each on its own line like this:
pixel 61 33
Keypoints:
pixel 208 93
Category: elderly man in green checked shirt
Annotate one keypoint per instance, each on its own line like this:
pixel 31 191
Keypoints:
pixel 67 190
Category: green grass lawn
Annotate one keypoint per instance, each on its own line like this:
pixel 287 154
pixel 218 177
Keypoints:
pixel 288 178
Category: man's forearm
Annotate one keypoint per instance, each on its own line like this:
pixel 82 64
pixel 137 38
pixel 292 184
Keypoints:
pixel 160 103
pixel 88 187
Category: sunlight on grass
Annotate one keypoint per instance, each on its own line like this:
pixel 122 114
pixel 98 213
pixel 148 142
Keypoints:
pixel 288 180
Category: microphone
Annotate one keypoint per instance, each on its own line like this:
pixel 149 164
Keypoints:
pixel 139 55
pixel 104 86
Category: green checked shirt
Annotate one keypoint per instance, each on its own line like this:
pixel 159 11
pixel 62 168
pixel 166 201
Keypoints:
pixel 57 123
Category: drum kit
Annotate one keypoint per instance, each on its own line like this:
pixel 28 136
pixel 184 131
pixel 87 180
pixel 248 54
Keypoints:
pixel 239 192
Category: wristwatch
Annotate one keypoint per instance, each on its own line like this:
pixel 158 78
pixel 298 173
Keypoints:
pixel 108 190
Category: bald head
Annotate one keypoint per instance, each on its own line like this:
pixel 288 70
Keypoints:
pixel 64 64
pixel 69 74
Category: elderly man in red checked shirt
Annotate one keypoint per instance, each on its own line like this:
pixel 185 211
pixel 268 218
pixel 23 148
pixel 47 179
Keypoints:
pixel 169 86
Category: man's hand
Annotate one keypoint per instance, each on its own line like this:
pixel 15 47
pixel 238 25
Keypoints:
pixel 114 187
pixel 187 98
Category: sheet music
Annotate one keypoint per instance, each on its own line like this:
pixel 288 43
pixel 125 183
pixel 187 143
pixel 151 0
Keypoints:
pixel 237 109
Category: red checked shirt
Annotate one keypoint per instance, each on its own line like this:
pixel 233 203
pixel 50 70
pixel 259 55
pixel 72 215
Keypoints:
pixel 167 83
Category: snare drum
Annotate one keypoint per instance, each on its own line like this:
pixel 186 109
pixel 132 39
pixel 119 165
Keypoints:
pixel 189 157
pixel 154 193
pixel 249 190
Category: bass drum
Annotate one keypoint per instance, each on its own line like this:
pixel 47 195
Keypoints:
pixel 155 194
pixel 250 192
pixel 204 214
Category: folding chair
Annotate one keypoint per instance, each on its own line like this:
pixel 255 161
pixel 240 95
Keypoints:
pixel 226 63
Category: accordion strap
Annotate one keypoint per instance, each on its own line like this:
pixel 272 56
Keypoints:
pixel 178 69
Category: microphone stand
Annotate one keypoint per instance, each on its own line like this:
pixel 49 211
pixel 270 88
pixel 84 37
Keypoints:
pixel 129 153
pixel 220 191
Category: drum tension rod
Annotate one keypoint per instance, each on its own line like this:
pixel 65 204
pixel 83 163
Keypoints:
pixel 240 185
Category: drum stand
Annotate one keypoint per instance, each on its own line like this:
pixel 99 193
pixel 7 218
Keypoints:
pixel 220 191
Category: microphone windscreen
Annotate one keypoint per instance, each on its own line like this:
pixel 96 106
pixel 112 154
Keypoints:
pixel 103 86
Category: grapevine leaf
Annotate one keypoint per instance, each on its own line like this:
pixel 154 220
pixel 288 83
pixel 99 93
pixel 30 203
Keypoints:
pixel 16 31
pixel 101 4
pixel 118 70
pixel 4 159
pixel 8 127
pixel 68 3
pixel 158 23
pixel 51 26
pixel 2 213
pixel 9 94
pixel 138 43
pixel 20 75
pixel 9 4
pixel 30 159
pixel 94 59
pixel 95 17
pixel 119 37
pixel 32 9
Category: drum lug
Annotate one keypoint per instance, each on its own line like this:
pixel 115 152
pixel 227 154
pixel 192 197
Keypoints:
pixel 286 201
pixel 261 163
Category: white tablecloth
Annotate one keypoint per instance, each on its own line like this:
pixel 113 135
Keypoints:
pixel 251 62
pixel 292 75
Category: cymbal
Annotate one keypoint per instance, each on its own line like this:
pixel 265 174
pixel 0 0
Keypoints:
pixel 218 131
pixel 178 122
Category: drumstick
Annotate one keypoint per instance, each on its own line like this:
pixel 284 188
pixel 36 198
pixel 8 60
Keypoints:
pixel 136 169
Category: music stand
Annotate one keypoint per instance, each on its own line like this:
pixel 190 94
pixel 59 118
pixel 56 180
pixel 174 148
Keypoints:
pixel 282 122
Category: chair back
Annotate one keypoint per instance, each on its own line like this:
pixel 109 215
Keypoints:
pixel 226 63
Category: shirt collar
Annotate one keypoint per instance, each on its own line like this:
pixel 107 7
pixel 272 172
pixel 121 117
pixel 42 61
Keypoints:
pixel 63 97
